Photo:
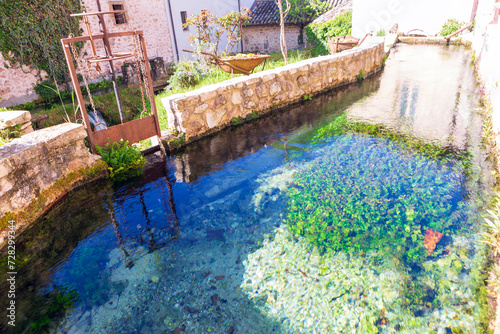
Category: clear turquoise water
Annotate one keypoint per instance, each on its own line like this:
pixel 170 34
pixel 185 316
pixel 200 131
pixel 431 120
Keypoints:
pixel 201 243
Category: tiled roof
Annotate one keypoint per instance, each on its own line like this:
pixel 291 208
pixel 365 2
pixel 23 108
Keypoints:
pixel 265 12
pixel 339 7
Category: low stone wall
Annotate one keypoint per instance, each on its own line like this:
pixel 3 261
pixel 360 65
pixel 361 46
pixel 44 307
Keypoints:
pixel 434 41
pixel 39 168
pixel 208 109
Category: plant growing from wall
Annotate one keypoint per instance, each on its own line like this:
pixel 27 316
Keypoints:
pixel 124 161
pixel 317 34
pixel 30 33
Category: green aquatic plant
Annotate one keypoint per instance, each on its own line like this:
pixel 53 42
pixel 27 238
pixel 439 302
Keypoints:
pixel 177 142
pixel 341 125
pixel 124 161
pixel 492 235
pixel 361 75
pixel 366 193
pixel 55 304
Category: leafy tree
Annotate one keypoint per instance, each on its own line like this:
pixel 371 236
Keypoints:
pixel 283 13
pixel 231 23
pixel 302 12
pixel 209 29
pixel 30 33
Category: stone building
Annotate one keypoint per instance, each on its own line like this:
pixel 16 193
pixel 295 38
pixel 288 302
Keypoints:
pixel 262 34
pixel 179 11
pixel 150 16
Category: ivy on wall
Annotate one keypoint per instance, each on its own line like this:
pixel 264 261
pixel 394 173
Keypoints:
pixel 31 30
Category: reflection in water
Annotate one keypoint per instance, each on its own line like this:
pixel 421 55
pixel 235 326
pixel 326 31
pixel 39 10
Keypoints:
pixel 185 247
pixel 211 153
pixel 426 91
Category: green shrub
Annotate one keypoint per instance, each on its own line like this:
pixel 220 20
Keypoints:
pixel 450 26
pixel 187 74
pixel 124 161
pixel 317 34
pixel 47 90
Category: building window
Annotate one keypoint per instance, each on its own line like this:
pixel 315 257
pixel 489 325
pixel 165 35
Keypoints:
pixel 184 21
pixel 119 17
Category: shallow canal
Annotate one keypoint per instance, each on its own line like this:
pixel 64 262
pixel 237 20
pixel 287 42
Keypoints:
pixel 323 218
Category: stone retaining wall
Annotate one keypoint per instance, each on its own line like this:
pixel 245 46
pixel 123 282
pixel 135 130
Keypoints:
pixel 208 109
pixel 11 119
pixel 434 40
pixel 40 167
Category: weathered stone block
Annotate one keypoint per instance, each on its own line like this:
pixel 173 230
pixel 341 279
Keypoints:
pixel 275 88
pixel 12 118
pixel 248 92
pixel 34 162
pixel 268 77
pixel 302 80
pixel 201 108
pixel 249 104
pixel 220 101
pixel 262 90
pixel 214 117
pixel 236 97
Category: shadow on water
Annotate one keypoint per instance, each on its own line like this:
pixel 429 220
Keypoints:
pixel 41 248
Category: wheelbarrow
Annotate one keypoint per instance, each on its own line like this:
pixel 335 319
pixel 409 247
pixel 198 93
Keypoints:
pixel 343 43
pixel 237 65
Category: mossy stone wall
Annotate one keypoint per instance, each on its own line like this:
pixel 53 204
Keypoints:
pixel 37 169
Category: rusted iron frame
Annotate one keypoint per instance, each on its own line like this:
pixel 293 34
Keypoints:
pixel 98 13
pixel 99 36
pixel 139 123
pixel 109 53
pixel 458 31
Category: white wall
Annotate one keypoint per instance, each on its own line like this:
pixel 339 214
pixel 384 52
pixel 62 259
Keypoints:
pixel 486 44
pixel 217 7
pixel 427 15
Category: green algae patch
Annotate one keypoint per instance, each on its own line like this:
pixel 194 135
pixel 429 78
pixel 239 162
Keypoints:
pixel 363 195
pixel 373 189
